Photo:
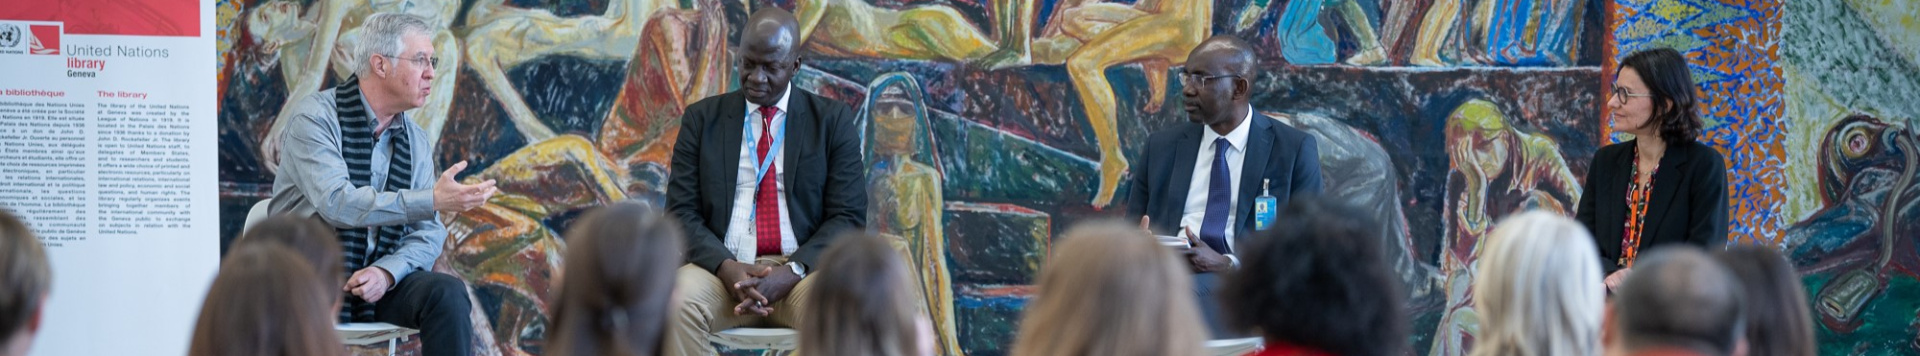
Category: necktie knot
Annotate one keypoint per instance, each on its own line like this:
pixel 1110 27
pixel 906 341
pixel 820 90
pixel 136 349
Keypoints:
pixel 767 112
pixel 1221 145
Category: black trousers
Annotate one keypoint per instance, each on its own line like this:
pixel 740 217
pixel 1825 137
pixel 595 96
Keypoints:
pixel 437 305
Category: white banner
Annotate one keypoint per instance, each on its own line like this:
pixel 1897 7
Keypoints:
pixel 108 150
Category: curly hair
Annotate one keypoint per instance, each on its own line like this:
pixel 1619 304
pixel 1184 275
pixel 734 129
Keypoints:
pixel 1318 280
pixel 1670 82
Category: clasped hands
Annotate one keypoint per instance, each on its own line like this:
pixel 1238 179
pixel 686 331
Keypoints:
pixel 756 286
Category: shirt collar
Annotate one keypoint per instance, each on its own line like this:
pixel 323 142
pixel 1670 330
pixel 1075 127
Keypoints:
pixel 1237 138
pixel 399 118
pixel 753 108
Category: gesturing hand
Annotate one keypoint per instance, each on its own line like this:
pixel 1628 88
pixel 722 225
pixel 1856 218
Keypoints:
pixel 451 196
pixel 1203 257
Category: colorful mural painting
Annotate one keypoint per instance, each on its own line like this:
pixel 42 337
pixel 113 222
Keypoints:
pixel 1851 71
pixel 1811 100
pixel 1731 46
pixel 990 126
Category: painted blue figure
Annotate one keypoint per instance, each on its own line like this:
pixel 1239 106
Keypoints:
pixel 1533 33
pixel 1307 43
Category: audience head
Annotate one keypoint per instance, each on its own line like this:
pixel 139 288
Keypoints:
pixel 617 283
pixel 769 55
pixel 25 277
pixel 1778 320
pixel 1676 298
pixel 1653 95
pixel 266 301
pixel 864 303
pixel 1111 290
pixel 1538 291
pixel 315 242
pixel 1317 280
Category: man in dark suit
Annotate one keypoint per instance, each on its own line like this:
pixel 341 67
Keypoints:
pixel 763 178
pixel 1199 180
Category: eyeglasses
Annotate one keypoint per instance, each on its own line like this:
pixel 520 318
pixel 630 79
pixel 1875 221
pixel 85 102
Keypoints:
pixel 1622 94
pixel 420 60
pixel 1190 79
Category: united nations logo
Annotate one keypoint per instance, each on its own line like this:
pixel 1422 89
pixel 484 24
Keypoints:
pixel 10 35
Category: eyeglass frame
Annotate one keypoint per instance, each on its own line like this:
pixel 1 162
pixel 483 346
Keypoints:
pixel 1622 94
pixel 1189 79
pixel 430 62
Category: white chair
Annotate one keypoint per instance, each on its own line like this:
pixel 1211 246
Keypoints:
pixel 357 334
pixel 771 339
pixel 363 334
pixel 255 214
pixel 1233 347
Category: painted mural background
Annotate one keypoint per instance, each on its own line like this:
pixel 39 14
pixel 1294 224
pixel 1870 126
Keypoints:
pixel 1812 101
pixel 1852 75
pixel 993 125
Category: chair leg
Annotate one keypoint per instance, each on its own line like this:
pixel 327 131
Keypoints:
pixel 391 344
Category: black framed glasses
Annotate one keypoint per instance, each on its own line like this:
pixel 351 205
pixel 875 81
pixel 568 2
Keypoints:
pixel 1190 79
pixel 1622 94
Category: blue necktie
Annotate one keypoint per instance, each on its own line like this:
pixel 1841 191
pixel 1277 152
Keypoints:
pixel 1213 225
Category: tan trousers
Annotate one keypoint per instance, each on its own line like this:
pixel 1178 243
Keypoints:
pixel 707 307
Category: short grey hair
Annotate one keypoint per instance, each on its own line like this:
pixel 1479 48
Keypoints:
pixel 1538 291
pixel 381 34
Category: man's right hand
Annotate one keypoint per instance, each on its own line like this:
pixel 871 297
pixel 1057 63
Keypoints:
pixel 450 196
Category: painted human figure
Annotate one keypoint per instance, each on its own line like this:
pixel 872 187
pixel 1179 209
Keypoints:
pixel 905 192
pixel 1484 149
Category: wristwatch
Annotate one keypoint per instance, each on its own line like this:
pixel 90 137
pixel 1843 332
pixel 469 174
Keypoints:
pixel 798 269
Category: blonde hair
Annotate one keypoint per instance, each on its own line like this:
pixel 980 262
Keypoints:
pixel 25 276
pixel 1111 291
pixel 1539 291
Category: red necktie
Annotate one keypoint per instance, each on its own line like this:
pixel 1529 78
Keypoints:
pixel 766 199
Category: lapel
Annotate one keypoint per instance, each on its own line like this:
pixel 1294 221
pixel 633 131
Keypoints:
pixel 1253 167
pixel 726 135
pixel 1185 151
pixel 1665 184
pixel 800 126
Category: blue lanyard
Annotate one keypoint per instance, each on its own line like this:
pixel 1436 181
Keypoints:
pixel 780 139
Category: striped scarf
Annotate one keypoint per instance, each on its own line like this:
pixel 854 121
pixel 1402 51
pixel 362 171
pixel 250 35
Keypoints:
pixel 356 147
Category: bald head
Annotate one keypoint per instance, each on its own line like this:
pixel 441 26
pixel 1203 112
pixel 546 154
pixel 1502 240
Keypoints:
pixel 1217 83
pixel 772 29
pixel 1228 54
pixel 769 55
pixel 1678 297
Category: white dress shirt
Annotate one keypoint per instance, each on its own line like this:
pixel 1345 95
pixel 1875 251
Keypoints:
pixel 1196 208
pixel 741 238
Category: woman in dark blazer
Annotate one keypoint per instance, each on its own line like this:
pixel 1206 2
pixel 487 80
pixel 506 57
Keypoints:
pixel 1663 187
